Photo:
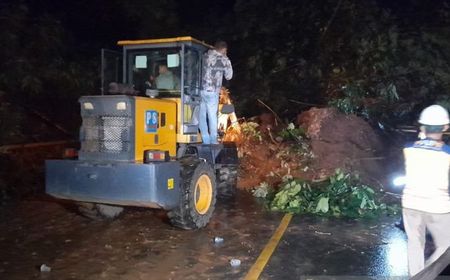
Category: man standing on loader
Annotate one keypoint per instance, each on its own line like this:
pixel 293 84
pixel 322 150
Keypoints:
pixel 216 66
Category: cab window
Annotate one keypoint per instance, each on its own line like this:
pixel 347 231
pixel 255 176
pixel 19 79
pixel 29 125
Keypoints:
pixel 155 69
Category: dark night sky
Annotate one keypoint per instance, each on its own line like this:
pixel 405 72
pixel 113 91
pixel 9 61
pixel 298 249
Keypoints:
pixel 100 21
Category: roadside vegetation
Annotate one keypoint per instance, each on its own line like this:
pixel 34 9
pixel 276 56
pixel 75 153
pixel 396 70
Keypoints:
pixel 383 61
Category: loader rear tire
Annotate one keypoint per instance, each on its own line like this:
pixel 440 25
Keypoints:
pixel 198 195
pixel 227 181
pixel 99 212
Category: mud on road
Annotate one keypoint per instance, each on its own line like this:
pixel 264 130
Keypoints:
pixel 141 244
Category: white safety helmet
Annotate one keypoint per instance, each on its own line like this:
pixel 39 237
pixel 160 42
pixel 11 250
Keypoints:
pixel 434 115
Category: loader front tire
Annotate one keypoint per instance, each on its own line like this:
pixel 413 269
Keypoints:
pixel 198 195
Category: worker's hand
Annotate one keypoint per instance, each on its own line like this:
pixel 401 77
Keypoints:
pixel 236 125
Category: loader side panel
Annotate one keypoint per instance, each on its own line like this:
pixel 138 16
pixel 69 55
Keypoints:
pixel 155 122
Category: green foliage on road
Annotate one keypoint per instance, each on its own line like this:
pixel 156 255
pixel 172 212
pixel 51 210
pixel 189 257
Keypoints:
pixel 342 195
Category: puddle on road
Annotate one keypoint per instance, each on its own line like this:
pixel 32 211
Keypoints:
pixel 390 258
pixel 319 246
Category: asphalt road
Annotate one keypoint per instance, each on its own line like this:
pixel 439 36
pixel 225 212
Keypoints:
pixel 141 244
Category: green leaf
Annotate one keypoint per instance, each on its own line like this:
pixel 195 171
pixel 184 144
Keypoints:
pixel 370 190
pixel 363 203
pixel 322 205
pixel 294 189
pixel 294 203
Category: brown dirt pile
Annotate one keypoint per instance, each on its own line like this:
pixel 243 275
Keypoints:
pixel 335 140
pixel 265 157
pixel 267 162
pixel 343 141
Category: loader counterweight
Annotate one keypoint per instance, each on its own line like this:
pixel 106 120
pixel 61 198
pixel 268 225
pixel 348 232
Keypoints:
pixel 154 185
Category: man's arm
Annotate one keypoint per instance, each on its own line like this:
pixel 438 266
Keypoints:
pixel 228 69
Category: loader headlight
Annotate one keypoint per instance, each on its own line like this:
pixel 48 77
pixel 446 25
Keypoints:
pixel 88 106
pixel 121 106
pixel 399 181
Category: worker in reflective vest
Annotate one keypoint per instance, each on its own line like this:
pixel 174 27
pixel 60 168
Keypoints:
pixel 426 201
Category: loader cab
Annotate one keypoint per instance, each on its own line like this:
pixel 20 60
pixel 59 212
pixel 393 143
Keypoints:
pixel 161 68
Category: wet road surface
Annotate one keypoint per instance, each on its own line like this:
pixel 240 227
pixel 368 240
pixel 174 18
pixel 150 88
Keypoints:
pixel 315 246
pixel 142 245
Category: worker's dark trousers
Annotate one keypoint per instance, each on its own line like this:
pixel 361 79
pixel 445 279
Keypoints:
pixel 416 223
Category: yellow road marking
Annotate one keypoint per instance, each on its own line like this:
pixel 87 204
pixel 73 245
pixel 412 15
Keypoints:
pixel 265 255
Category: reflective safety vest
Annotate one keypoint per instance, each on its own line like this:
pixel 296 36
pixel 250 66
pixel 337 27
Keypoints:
pixel 427 165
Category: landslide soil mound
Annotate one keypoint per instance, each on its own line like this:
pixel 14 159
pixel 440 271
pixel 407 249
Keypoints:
pixel 332 140
pixel 343 141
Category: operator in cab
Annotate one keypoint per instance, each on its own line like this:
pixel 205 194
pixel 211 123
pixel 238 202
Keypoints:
pixel 426 200
pixel 166 79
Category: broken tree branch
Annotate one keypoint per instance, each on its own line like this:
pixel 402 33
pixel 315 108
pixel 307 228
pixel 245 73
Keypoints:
pixel 305 103
pixel 273 112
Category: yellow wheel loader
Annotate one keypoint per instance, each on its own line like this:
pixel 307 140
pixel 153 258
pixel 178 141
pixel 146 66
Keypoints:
pixel 140 144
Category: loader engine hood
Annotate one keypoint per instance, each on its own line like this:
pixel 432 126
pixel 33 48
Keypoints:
pixel 107 130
